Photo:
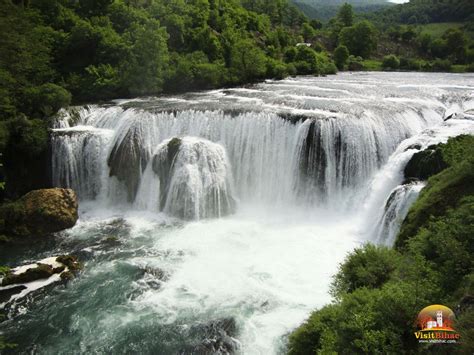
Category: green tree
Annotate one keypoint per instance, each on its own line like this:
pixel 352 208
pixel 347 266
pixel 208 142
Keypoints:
pixel 307 31
pixel 346 15
pixel 145 69
pixel 341 55
pixel 455 44
pixel 391 62
pixel 248 62
pixel 360 39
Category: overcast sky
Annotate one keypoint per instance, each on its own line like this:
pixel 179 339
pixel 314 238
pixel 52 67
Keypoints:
pixel 399 1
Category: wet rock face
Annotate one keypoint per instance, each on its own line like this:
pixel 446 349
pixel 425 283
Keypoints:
pixel 40 212
pixel 216 337
pixel 128 159
pixel 426 163
pixel 195 178
pixel 163 165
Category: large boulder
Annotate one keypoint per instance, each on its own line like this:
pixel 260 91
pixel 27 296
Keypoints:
pixel 40 212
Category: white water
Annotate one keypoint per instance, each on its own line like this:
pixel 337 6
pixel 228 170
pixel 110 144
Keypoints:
pixel 310 163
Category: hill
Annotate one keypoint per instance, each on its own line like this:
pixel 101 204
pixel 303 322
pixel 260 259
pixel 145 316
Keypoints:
pixel 326 9
pixel 427 11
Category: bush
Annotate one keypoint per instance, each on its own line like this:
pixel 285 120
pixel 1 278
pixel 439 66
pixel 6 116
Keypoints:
pixel 391 62
pixel 368 267
pixel 276 69
pixel 341 55
pixel 355 63
pixel 45 100
pixel 442 65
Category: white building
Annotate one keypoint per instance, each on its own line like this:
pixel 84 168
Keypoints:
pixel 431 324
pixel 439 318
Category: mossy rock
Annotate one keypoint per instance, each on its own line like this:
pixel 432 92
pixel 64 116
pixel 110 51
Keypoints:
pixel 425 164
pixel 70 261
pixel 42 271
pixel 40 212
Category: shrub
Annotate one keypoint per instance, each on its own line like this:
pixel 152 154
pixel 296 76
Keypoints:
pixel 45 100
pixel 442 65
pixel 355 63
pixel 341 55
pixel 369 267
pixel 391 62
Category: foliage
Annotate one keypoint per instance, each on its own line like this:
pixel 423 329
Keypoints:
pixel 4 270
pixel 346 15
pixel 341 55
pixel 360 39
pixel 368 267
pixel 426 11
pixel 391 62
pixel 379 291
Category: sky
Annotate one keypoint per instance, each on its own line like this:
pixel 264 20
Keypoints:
pixel 399 1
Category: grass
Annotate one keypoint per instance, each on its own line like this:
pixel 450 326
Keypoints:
pixel 372 64
pixel 437 29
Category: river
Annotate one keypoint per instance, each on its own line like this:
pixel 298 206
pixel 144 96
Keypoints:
pixel 212 222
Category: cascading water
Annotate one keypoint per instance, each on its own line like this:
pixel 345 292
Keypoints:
pixel 212 222
pixel 194 180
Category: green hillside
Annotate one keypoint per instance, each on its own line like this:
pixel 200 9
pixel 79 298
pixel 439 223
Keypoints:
pixel 326 9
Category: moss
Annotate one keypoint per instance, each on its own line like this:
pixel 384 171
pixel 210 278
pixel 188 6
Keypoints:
pixel 425 164
pixel 39 213
pixel 67 276
pixel 70 261
pixel 4 270
pixel 42 271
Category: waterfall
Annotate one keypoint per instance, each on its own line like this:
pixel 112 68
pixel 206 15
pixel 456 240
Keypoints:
pixel 390 197
pixel 395 211
pixel 286 143
pixel 192 180
pixel 274 160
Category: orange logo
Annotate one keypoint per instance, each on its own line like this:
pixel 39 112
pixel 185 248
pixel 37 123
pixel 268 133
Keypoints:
pixel 436 325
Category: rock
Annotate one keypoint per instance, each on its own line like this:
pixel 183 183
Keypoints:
pixel 215 337
pixel 410 181
pixel 128 159
pixel 195 178
pixel 65 265
pixel 416 146
pixel 425 164
pixel 40 212
pixel 70 261
pixel 7 293
pixel 42 271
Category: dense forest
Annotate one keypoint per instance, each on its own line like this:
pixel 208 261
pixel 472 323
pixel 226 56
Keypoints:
pixel 427 11
pixel 324 10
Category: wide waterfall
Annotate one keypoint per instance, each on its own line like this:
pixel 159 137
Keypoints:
pixel 212 222
pixel 322 154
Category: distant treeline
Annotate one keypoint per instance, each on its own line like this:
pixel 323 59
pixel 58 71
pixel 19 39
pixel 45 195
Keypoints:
pixel 427 11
